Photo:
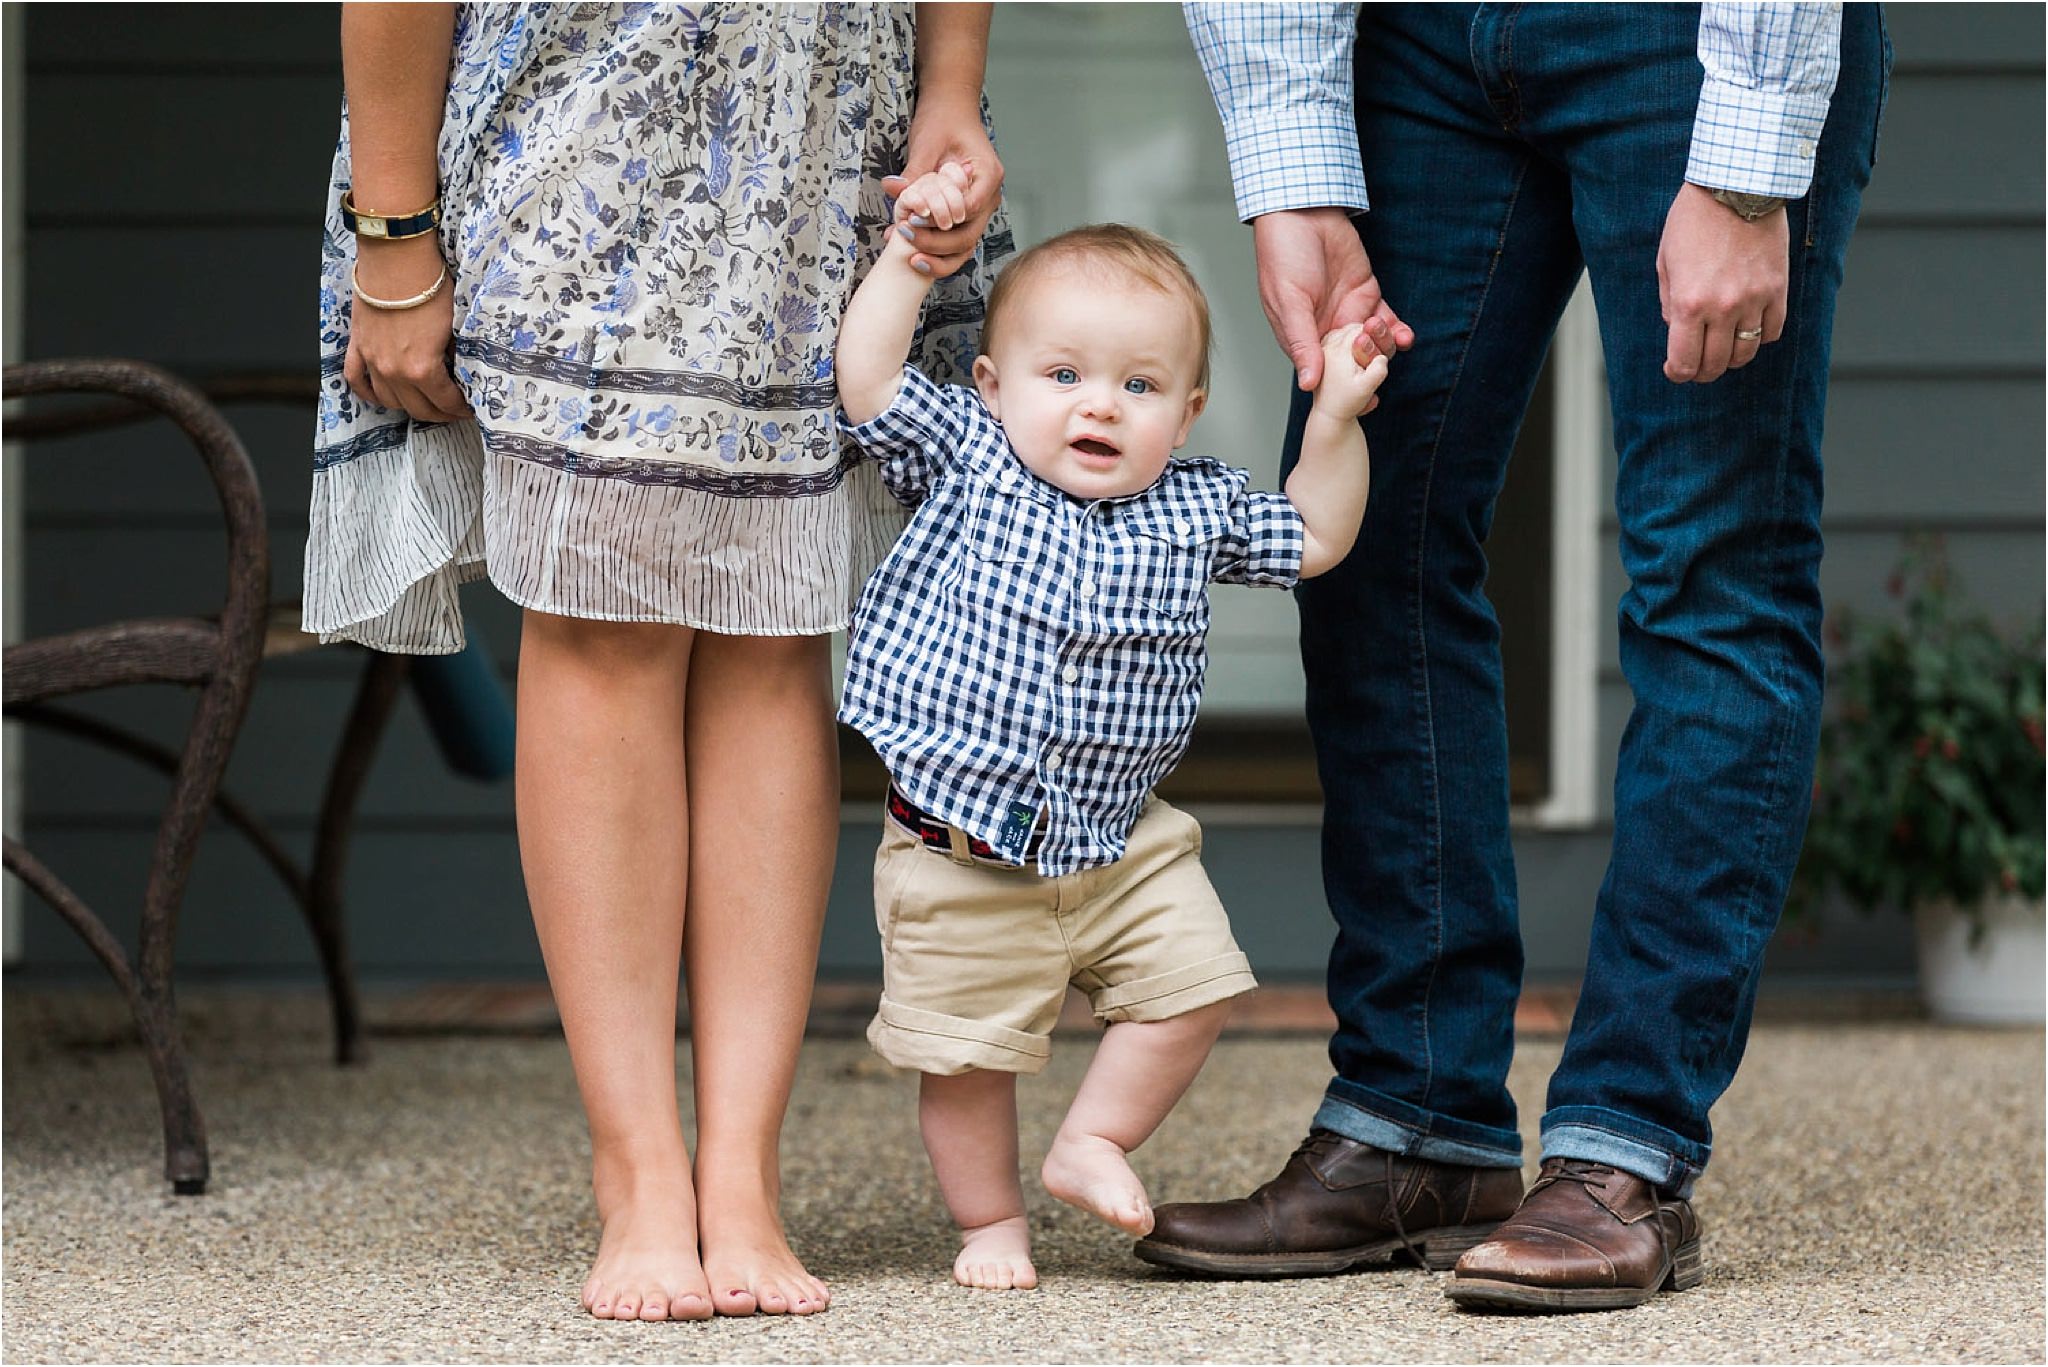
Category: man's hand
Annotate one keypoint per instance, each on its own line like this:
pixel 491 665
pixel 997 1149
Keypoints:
pixel 1717 278
pixel 1348 389
pixel 1314 278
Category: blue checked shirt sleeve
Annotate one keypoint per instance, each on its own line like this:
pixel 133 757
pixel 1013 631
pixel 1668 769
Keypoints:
pixel 1264 543
pixel 1281 78
pixel 1770 72
pixel 914 438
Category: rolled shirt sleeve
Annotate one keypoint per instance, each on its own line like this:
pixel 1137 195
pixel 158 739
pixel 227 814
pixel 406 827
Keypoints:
pixel 1770 73
pixel 1264 543
pixel 1281 79
pixel 915 437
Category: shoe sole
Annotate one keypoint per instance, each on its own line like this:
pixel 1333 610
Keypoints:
pixel 1440 1248
pixel 1485 1293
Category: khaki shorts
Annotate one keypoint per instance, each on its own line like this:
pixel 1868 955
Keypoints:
pixel 977 957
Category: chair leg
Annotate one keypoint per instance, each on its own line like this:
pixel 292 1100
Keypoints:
pixel 215 722
pixel 166 760
pixel 185 1158
pixel 376 696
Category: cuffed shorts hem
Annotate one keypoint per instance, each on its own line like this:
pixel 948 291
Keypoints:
pixel 946 1045
pixel 1167 995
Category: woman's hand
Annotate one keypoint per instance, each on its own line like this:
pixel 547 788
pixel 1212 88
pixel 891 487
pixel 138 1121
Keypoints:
pixel 943 130
pixel 398 358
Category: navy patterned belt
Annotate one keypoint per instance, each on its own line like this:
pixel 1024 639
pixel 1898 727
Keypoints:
pixel 938 835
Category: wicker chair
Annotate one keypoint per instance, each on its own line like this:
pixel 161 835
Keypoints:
pixel 218 656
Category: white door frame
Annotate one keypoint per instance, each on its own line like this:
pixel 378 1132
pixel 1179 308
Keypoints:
pixel 1579 440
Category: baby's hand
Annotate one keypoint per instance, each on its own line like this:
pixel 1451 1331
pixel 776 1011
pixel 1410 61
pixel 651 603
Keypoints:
pixel 938 198
pixel 1347 387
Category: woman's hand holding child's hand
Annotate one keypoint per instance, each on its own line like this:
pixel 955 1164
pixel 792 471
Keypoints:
pixel 937 198
pixel 1347 388
pixel 941 214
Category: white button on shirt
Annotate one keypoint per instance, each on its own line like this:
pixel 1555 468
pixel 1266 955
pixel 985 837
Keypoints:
pixel 962 635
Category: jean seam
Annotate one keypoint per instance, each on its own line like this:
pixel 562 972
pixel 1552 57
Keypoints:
pixel 1770 794
pixel 1436 832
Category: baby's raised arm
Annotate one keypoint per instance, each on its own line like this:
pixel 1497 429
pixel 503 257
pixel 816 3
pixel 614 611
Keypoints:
pixel 881 318
pixel 1328 486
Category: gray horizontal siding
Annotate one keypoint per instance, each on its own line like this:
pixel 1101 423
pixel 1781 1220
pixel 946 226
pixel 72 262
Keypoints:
pixel 135 242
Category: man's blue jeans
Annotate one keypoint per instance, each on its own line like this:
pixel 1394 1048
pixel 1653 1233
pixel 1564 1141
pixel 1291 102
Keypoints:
pixel 1508 147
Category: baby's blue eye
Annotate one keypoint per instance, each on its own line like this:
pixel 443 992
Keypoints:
pixel 1138 386
pixel 1065 375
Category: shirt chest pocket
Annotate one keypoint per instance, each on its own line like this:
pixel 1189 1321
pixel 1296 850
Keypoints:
pixel 998 525
pixel 1172 552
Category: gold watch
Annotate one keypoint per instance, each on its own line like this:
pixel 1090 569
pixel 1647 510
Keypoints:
pixel 1749 208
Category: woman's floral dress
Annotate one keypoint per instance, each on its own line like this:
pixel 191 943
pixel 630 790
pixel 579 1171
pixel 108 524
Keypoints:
pixel 653 216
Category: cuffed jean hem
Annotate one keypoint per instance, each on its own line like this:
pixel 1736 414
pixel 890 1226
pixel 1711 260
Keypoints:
pixel 1371 1119
pixel 1650 1152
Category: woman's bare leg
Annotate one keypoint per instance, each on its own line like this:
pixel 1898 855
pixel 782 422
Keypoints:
pixel 764 802
pixel 603 836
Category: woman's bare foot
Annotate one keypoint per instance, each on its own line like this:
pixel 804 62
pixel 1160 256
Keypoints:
pixel 647 1266
pixel 747 1260
pixel 997 1256
pixel 1090 1172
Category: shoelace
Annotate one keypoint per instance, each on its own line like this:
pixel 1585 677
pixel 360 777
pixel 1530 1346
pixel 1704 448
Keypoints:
pixel 1394 1209
pixel 1318 1143
pixel 1586 1174
pixel 1589 1174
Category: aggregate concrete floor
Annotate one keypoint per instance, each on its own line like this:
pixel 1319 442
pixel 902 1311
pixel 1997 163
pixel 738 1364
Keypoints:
pixel 1877 1195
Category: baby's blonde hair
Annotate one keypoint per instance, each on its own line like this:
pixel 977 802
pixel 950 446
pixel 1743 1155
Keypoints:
pixel 1117 246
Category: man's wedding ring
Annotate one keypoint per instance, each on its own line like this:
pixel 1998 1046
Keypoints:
pixel 1749 334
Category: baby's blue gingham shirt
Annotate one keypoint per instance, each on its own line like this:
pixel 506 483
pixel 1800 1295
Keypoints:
pixel 1019 651
pixel 1281 75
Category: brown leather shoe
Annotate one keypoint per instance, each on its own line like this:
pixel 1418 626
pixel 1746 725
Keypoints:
pixel 1338 1204
pixel 1586 1238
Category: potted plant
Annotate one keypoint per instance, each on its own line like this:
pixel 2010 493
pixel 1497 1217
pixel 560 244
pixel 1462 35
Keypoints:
pixel 1928 795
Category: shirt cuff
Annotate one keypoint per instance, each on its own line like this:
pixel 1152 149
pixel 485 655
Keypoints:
pixel 1759 142
pixel 1294 159
pixel 897 425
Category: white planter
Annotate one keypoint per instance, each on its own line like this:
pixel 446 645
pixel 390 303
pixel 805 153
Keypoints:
pixel 2003 980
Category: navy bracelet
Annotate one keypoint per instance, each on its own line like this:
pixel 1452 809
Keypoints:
pixel 362 224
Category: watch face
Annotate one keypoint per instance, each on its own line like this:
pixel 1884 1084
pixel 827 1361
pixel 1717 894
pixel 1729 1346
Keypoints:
pixel 1750 207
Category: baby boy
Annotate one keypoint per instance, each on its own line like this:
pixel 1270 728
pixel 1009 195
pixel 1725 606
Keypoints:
pixel 1027 662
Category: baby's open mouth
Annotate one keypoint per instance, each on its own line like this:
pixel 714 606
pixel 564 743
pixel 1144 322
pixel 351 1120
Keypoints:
pixel 1089 446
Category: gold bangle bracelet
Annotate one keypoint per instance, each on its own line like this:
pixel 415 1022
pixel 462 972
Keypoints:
pixel 397 305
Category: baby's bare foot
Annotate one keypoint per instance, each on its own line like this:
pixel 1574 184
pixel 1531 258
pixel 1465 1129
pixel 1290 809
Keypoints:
pixel 647 1267
pixel 1091 1172
pixel 997 1256
pixel 748 1262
